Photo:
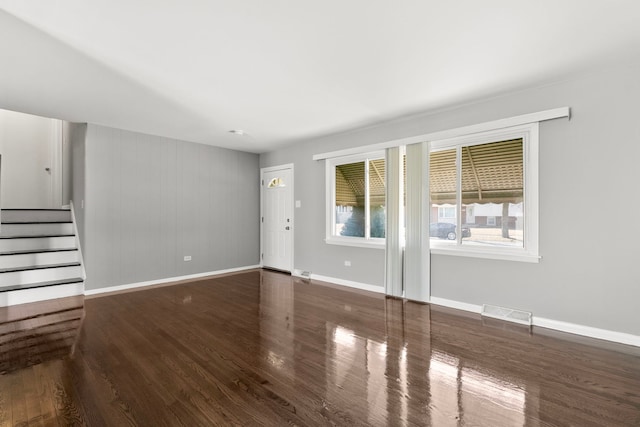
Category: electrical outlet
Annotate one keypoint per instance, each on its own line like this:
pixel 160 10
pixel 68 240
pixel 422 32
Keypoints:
pixel 347 263
pixel 187 257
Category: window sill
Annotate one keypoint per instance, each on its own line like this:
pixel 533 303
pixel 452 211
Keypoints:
pixel 356 242
pixel 504 256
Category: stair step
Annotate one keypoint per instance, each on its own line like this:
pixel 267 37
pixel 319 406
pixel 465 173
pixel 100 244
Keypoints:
pixel 44 284
pixel 41 292
pixel 36 251
pixel 36 222
pixel 36 275
pixel 38 267
pixel 26 236
pixel 39 261
pixel 31 243
pixel 36 229
pixel 27 258
pixel 35 215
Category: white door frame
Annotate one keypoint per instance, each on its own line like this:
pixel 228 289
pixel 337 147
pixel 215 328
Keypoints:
pixel 262 172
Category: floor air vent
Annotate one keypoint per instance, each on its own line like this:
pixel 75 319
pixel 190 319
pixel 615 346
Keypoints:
pixel 508 314
pixel 304 275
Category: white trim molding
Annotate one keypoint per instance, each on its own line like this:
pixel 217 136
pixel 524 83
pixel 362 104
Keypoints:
pixel 458 305
pixel 342 282
pixel 77 235
pixel 25 296
pixel 587 331
pixel 540 116
pixel 494 254
pixel 558 325
pixel 130 286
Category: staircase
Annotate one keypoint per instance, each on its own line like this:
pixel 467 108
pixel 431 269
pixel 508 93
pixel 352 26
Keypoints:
pixel 39 257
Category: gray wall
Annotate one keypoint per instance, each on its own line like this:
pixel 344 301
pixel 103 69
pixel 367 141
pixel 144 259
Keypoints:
pixel 77 133
pixel 588 200
pixel 66 163
pixel 149 201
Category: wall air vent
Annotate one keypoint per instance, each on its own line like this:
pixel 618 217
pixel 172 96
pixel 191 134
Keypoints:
pixel 508 314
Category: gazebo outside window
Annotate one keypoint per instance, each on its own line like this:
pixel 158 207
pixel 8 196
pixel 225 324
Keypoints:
pixel 360 196
pixel 490 186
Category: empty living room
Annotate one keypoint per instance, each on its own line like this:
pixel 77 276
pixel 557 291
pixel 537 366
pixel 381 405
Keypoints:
pixel 357 213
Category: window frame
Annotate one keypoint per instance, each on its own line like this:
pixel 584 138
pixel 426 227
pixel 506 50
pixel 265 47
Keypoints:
pixel 443 209
pixel 530 147
pixel 330 177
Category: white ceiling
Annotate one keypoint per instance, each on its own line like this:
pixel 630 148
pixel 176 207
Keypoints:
pixel 287 70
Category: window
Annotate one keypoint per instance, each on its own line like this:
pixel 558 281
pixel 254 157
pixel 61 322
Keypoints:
pixel 356 199
pixel 276 182
pixel 447 212
pixel 490 179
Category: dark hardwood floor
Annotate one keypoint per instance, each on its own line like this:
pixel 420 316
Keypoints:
pixel 262 348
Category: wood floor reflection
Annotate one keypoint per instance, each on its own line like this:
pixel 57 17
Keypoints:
pixel 34 333
pixel 262 348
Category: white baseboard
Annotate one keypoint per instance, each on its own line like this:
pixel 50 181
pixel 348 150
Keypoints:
pixel 456 304
pixel 558 325
pixel 128 286
pixel 24 296
pixel 348 283
pixel 587 331
pixel 298 273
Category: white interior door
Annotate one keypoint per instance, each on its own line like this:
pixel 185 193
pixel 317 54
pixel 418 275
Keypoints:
pixel 28 145
pixel 277 218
